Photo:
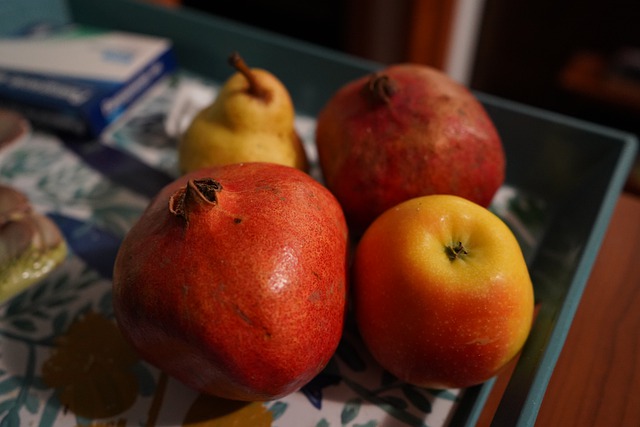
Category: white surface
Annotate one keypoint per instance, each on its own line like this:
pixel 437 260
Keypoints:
pixel 465 32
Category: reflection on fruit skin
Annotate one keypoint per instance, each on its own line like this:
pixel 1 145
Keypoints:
pixel 209 411
pixel 90 368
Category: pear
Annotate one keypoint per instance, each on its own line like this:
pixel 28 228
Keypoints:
pixel 250 120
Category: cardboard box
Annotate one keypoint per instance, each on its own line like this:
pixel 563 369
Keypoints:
pixel 77 79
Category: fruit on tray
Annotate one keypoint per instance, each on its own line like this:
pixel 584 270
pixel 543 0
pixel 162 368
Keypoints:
pixel 404 132
pixel 234 280
pixel 251 119
pixel 442 294
pixel 31 245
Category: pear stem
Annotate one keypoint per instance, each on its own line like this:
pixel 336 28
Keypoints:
pixel 255 89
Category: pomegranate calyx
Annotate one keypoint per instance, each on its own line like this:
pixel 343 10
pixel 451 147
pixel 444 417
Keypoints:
pixel 197 192
pixel 380 88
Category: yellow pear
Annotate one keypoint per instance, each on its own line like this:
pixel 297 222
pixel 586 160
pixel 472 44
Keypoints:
pixel 251 119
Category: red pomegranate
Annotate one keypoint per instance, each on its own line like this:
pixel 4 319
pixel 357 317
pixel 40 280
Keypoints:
pixel 234 280
pixel 405 132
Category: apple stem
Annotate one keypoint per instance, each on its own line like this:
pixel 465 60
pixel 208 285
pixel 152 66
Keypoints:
pixel 255 89
pixel 380 88
pixel 197 193
pixel 454 252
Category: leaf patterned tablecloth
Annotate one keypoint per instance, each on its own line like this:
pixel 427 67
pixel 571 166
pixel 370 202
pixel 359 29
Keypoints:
pixel 54 367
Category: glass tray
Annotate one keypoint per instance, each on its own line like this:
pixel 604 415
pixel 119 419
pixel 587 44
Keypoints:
pixel 563 178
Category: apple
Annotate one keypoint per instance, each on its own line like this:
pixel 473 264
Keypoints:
pixel 441 291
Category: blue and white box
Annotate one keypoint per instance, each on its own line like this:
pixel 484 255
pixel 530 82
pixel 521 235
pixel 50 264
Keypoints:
pixel 77 79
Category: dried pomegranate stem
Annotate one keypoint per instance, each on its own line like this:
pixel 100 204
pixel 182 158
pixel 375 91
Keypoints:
pixel 380 88
pixel 197 192
pixel 255 88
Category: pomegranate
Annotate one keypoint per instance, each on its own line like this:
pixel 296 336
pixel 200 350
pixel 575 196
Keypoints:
pixel 234 279
pixel 405 132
